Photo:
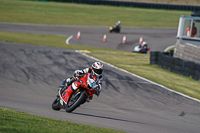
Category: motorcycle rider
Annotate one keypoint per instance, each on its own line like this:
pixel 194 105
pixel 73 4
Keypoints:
pixel 118 24
pixel 96 69
pixel 143 47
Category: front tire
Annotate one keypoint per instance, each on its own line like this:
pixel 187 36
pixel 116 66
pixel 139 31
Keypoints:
pixel 55 104
pixel 117 30
pixel 75 101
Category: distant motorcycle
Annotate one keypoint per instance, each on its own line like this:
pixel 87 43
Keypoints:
pixel 84 87
pixel 140 49
pixel 115 29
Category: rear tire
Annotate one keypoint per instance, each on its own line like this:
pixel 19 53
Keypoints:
pixel 79 100
pixel 55 104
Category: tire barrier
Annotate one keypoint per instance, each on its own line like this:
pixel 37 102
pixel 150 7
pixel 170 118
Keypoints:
pixel 135 4
pixel 165 60
pixel 154 57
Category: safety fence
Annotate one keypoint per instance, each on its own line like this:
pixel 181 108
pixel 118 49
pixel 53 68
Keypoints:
pixel 165 60
pixel 135 4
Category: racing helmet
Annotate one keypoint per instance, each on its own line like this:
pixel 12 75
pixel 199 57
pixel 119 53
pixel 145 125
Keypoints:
pixel 97 68
pixel 119 22
pixel 144 43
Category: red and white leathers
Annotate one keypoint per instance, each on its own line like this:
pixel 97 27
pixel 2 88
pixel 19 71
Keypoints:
pixel 77 73
pixel 96 70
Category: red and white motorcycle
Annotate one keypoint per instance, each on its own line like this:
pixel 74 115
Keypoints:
pixel 77 93
pixel 141 48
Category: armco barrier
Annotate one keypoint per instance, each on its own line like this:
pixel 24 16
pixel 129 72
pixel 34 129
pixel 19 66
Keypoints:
pixel 165 60
pixel 134 4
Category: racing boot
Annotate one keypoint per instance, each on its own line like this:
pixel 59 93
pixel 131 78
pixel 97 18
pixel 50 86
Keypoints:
pixel 62 86
pixel 89 97
pixel 65 83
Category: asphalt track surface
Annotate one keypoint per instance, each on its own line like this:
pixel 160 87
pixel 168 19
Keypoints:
pixel 158 39
pixel 30 76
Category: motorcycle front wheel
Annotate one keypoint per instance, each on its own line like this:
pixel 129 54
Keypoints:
pixel 55 104
pixel 75 101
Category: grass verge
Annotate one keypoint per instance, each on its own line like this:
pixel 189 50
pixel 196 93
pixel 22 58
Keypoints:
pixel 132 62
pixel 53 13
pixel 20 122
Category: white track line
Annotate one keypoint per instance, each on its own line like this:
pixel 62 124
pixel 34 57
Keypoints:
pixel 140 77
pixel 169 48
pixel 67 40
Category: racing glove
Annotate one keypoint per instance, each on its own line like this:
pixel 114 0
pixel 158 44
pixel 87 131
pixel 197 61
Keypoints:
pixel 70 80
pixel 77 73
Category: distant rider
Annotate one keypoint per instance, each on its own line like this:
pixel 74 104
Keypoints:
pixel 118 24
pixel 96 69
pixel 143 47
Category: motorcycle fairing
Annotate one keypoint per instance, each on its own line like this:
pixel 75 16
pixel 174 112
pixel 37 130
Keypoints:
pixel 137 48
pixel 62 102
pixel 74 86
pixel 84 82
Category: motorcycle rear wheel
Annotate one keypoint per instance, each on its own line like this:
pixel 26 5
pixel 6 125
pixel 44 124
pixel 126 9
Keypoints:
pixel 55 104
pixel 74 102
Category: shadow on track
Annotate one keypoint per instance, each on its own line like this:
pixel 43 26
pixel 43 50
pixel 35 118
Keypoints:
pixel 110 118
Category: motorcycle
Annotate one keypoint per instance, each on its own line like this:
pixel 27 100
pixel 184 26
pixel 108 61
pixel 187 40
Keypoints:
pixel 114 29
pixel 139 49
pixel 84 87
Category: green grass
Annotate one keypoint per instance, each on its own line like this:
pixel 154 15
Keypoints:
pixel 20 122
pixel 76 14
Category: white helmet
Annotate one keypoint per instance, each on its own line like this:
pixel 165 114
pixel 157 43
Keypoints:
pixel 119 22
pixel 144 43
pixel 97 68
